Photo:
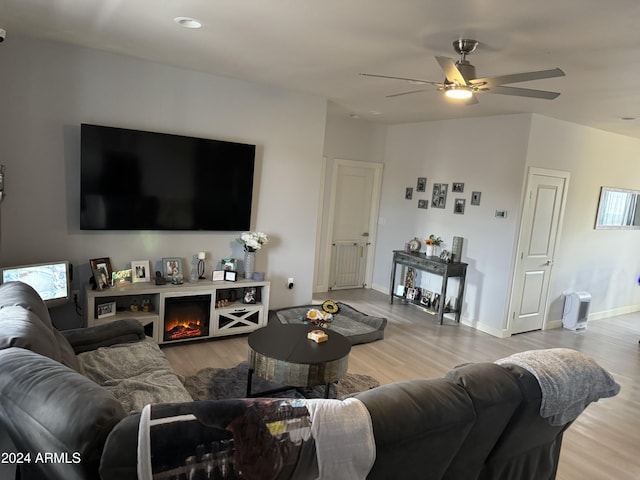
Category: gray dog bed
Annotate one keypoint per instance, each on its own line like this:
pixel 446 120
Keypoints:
pixel 355 325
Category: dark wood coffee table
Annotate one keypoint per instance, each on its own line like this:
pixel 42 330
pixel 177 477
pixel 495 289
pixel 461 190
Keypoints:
pixel 283 354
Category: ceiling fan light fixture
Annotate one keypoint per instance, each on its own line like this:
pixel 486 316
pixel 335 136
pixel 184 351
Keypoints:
pixel 458 93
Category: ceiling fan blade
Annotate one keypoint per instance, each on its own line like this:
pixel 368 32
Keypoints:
pixel 517 77
pixel 417 81
pixel 407 93
pixel 521 92
pixel 451 71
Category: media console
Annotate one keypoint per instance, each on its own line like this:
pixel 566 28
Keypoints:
pixel 174 313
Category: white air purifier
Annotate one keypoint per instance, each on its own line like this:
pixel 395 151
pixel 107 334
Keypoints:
pixel 576 310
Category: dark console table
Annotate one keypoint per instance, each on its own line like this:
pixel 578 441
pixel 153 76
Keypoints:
pixel 435 266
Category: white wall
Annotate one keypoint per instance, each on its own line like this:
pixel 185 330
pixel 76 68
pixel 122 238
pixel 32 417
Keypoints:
pixel 487 155
pixel 347 139
pixel 48 89
pixel 605 263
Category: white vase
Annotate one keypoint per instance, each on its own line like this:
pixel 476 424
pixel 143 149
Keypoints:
pixel 430 251
pixel 249 264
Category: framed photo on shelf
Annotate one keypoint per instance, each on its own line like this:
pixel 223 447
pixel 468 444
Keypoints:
pixel 101 264
pixel 172 268
pixel 106 309
pixel 413 294
pixel 249 295
pixel 229 264
pixel 230 275
pixel 140 271
pixel 217 275
pixel 102 279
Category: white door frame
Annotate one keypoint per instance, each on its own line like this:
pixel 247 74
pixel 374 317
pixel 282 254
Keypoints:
pixel 518 260
pixel 373 216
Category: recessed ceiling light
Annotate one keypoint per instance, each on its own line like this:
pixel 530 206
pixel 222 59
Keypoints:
pixel 188 22
pixel 374 112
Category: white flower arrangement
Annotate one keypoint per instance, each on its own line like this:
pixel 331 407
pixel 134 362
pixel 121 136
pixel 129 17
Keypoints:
pixel 252 241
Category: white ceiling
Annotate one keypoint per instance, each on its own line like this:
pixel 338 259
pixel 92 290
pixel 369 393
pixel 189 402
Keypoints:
pixel 321 46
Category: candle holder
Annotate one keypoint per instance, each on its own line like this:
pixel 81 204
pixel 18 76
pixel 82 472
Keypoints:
pixel 201 258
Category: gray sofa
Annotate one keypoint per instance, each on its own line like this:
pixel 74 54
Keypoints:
pixel 482 421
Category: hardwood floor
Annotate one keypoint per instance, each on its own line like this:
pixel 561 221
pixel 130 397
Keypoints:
pixel 603 443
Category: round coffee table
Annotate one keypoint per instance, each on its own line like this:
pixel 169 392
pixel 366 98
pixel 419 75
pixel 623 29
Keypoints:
pixel 284 355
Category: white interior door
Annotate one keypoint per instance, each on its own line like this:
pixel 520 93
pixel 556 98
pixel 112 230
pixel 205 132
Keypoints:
pixel 354 210
pixel 541 221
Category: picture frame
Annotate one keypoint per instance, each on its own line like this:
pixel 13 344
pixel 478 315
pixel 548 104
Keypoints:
pixel 426 297
pixel 457 187
pixel 217 275
pixel 421 184
pixel 413 293
pixel 408 193
pixel 249 295
pixel 229 264
pixel 439 195
pixel 106 309
pixel 100 264
pixel 423 203
pixel 101 278
pixel 475 198
pixel 230 275
pixel 458 206
pixel 172 268
pixel 140 271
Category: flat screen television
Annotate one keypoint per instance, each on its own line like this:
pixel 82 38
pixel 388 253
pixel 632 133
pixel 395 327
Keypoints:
pixel 51 280
pixel 137 180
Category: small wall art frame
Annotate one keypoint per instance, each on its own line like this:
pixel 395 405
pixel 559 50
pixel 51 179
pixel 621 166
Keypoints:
pixel 457 187
pixel 439 195
pixel 458 206
pixel 475 198
pixel 408 193
pixel 421 184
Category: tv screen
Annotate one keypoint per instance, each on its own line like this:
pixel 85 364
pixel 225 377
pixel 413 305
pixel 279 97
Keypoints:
pixel 50 280
pixel 136 180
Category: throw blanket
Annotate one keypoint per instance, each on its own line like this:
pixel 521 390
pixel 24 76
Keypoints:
pixel 569 381
pixel 265 439
pixel 344 438
pixel 135 373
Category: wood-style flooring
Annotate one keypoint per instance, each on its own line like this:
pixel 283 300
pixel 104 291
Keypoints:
pixel 602 444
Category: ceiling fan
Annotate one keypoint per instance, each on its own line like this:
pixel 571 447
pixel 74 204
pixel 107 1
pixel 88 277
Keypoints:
pixel 461 81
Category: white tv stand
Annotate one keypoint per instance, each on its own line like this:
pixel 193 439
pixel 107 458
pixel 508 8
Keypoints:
pixel 233 318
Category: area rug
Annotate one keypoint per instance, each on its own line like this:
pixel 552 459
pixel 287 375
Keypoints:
pixel 224 383
pixel 356 326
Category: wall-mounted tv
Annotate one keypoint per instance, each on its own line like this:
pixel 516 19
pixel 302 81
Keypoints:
pixel 51 280
pixel 137 180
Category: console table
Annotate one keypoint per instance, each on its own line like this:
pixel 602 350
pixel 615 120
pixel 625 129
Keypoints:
pixel 435 266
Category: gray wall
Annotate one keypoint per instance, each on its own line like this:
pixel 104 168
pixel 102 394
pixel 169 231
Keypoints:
pixel 49 89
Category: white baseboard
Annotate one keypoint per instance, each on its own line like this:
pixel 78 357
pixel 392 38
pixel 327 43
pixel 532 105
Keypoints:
pixel 483 327
pixel 614 313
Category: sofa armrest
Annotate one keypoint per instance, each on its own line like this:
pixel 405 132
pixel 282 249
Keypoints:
pixel 121 331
